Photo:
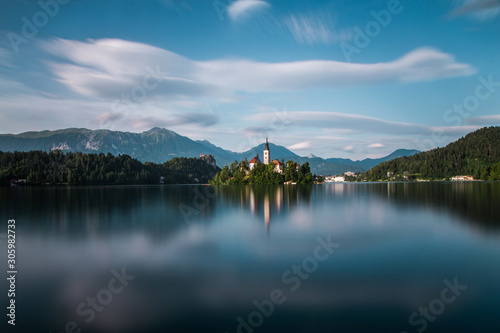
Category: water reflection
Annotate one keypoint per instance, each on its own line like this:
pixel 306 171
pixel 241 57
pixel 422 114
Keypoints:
pixel 267 201
pixel 96 211
pixel 199 272
pixel 468 202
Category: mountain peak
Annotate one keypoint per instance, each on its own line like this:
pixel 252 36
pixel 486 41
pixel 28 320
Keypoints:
pixel 156 129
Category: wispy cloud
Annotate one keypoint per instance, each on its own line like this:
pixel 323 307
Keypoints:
pixel 363 124
pixel 143 122
pixel 320 28
pixel 103 68
pixel 484 120
pixel 480 10
pixel 242 9
pixel 423 64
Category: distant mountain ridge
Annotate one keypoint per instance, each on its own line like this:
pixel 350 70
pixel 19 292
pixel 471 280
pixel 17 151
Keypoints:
pixel 159 145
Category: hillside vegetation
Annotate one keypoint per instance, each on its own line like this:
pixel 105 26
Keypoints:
pixel 477 154
pixel 40 168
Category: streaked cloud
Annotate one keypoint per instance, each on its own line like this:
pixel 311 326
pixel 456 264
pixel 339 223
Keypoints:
pixel 364 124
pixel 105 68
pixel 424 64
pixel 108 117
pixel 320 28
pixel 480 10
pixel 242 9
pixel 484 120
pixel 146 122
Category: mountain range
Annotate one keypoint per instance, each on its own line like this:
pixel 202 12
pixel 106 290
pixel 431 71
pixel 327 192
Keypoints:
pixel 159 145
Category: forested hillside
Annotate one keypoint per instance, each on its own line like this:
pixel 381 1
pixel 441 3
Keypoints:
pixel 39 168
pixel 477 154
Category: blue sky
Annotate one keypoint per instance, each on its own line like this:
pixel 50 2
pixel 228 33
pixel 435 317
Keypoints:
pixel 348 79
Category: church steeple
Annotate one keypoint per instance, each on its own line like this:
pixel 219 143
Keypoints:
pixel 267 153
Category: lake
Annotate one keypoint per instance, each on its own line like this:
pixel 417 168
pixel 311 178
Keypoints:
pixel 345 257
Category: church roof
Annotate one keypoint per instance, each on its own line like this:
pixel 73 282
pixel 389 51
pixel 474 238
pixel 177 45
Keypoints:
pixel 276 162
pixel 267 145
pixel 255 160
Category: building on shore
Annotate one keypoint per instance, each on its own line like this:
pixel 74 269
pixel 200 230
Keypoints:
pixel 462 178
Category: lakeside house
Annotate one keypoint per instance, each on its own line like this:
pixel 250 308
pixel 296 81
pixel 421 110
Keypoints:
pixel 334 179
pixel 462 178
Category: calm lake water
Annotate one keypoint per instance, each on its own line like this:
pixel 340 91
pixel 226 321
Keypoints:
pixel 397 257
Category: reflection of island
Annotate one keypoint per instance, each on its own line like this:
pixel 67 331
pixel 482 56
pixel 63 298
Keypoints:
pixel 267 200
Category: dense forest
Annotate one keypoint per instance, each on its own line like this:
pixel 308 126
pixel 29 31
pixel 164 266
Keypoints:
pixel 240 173
pixel 40 168
pixel 477 154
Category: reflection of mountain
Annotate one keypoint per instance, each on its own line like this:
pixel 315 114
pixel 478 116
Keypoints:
pixel 104 210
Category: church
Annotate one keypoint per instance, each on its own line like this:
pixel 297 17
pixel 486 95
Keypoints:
pixel 278 166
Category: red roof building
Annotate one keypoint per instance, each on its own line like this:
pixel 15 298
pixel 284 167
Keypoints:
pixel 254 161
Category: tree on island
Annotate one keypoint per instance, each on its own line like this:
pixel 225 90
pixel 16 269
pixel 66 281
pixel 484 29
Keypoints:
pixel 236 174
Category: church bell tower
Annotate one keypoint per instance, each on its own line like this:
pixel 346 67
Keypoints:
pixel 267 154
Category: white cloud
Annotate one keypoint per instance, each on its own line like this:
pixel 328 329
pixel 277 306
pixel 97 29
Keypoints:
pixel 300 146
pixel 348 148
pixel 105 68
pixel 376 145
pixel 423 64
pixel 241 9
